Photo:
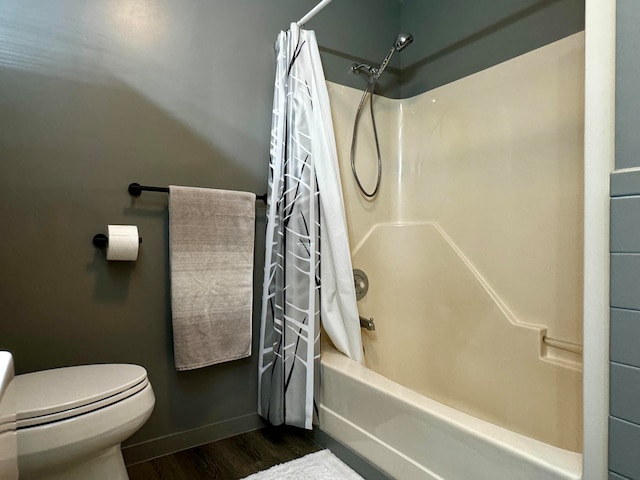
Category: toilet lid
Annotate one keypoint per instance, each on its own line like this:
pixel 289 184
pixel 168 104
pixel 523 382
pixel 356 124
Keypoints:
pixel 52 395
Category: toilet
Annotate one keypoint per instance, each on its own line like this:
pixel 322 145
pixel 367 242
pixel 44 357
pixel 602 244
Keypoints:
pixel 71 421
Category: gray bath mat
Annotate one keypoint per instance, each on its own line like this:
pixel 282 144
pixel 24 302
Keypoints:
pixel 322 465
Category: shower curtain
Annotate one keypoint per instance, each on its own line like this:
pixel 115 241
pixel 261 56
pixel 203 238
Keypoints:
pixel 305 216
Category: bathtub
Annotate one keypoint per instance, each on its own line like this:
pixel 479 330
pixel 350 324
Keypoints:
pixel 454 387
pixel 410 436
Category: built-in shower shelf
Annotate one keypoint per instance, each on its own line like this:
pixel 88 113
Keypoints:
pixel 562 351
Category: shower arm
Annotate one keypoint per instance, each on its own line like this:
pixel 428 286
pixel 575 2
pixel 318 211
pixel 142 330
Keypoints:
pixel 373 72
pixel 358 67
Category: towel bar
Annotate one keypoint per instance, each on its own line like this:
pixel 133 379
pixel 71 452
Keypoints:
pixel 135 189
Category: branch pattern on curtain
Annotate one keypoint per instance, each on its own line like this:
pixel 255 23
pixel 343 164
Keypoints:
pixel 297 288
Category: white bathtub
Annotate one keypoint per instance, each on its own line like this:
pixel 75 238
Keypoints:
pixel 410 436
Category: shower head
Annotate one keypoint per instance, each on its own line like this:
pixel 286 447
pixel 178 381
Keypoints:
pixel 403 40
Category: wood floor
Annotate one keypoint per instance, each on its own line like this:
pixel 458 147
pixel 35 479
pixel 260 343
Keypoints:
pixel 229 459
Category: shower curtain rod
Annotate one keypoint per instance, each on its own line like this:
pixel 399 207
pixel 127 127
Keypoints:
pixel 312 13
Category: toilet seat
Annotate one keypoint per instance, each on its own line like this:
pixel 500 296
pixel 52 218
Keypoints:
pixel 54 395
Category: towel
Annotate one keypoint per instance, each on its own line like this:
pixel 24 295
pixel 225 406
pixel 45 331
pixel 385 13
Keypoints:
pixel 211 234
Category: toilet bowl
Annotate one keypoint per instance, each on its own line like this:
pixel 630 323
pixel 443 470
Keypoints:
pixel 71 421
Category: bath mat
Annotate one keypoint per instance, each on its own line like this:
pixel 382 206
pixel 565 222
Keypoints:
pixel 322 465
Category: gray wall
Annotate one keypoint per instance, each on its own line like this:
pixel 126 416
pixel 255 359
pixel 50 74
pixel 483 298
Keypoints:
pixel 624 421
pixel 455 38
pixel 97 94
pixel 627 76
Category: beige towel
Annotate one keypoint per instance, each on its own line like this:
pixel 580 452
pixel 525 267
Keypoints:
pixel 211 236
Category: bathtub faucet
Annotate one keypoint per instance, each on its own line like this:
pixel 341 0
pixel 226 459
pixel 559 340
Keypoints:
pixel 367 323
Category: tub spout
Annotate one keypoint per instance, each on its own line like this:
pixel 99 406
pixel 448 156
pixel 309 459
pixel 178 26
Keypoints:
pixel 367 323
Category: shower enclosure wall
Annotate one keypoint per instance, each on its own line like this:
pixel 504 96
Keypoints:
pixel 473 249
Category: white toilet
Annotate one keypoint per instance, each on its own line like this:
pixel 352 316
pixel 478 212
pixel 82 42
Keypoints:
pixel 71 421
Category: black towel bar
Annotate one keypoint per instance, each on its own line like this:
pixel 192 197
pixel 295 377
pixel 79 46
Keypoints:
pixel 135 189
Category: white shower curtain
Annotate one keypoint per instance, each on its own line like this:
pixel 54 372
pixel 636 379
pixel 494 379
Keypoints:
pixel 308 275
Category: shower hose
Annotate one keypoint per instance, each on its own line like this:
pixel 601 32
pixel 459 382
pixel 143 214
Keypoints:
pixel 368 91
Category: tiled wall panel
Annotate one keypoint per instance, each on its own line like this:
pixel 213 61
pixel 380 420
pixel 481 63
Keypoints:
pixel 625 392
pixel 624 438
pixel 624 433
pixel 624 425
pixel 625 332
pixel 625 224
pixel 625 280
pixel 625 183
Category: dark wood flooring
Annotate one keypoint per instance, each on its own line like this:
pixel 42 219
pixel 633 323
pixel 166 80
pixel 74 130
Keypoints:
pixel 229 459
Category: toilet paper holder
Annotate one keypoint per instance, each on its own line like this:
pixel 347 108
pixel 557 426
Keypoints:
pixel 100 240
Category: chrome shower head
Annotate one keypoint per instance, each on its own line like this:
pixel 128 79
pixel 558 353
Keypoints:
pixel 403 40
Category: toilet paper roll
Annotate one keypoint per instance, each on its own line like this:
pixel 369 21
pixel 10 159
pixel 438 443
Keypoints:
pixel 123 243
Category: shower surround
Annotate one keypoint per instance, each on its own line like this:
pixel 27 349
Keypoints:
pixel 473 250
